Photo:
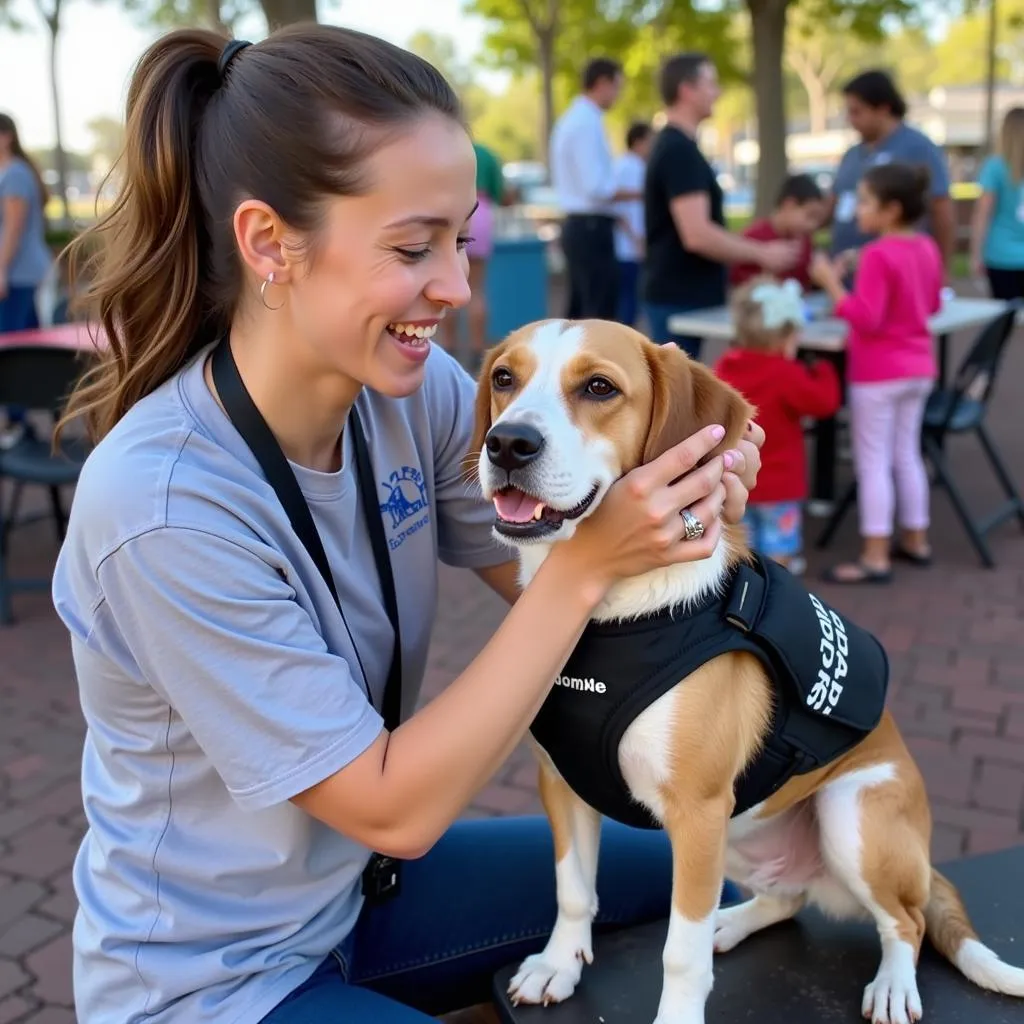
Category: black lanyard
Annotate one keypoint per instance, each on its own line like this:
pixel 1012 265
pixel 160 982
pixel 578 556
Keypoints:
pixel 380 878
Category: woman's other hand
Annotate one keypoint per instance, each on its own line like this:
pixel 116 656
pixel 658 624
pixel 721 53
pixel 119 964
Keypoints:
pixel 639 525
pixel 743 463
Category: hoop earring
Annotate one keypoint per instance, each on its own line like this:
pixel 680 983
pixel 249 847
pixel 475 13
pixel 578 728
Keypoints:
pixel 263 293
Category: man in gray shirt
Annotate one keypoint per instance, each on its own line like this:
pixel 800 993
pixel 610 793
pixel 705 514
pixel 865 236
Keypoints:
pixel 875 110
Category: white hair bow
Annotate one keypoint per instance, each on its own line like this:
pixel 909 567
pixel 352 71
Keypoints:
pixel 780 303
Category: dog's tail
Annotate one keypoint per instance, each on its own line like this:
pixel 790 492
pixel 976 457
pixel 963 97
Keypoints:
pixel 952 934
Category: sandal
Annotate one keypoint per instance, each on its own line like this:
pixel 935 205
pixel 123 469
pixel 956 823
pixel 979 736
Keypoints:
pixel 866 574
pixel 902 554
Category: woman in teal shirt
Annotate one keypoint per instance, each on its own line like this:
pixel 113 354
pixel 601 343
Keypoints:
pixel 997 227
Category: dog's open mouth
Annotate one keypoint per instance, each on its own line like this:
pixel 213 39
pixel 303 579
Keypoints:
pixel 522 515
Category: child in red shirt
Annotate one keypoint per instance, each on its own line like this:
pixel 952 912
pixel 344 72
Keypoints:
pixel 762 365
pixel 799 212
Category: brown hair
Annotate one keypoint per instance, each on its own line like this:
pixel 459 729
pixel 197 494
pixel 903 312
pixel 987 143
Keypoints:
pixel 681 69
pixel 8 127
pixel 291 121
pixel 1011 142
pixel 597 70
pixel 902 183
pixel 875 88
pixel 748 317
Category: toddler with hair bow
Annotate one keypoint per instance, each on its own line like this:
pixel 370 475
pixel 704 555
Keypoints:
pixel 762 365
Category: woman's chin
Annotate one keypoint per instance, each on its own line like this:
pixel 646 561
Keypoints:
pixel 398 380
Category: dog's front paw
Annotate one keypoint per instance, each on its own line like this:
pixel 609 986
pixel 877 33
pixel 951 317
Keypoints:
pixel 548 977
pixel 892 998
pixel 692 1014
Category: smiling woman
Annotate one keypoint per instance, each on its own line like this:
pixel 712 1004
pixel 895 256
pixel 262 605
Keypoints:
pixel 251 563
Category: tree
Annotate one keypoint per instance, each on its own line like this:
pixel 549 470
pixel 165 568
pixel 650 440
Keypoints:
pixel 440 51
pixel 911 57
pixel 49 12
pixel 220 15
pixel 107 138
pixel 819 55
pixel 527 31
pixel 507 122
pixel 862 19
pixel 557 37
pixel 961 56
pixel 287 12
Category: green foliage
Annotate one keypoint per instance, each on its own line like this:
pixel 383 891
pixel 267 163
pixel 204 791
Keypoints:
pixel 9 18
pixel 220 15
pixel 960 58
pixel 168 14
pixel 440 51
pixel 508 123
pixel 639 33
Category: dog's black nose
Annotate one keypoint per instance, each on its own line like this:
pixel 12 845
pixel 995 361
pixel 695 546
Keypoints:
pixel 513 445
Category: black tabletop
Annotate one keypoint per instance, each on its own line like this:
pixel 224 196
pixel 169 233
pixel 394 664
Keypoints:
pixel 809 969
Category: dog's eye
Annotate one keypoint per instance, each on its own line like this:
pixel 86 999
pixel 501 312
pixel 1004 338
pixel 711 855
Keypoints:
pixel 502 378
pixel 599 387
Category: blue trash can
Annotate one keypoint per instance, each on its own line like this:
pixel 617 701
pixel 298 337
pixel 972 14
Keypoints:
pixel 517 284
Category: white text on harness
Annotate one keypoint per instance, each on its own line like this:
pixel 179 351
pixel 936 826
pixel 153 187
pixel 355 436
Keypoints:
pixel 572 683
pixel 834 647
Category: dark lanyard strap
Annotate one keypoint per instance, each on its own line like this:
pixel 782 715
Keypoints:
pixel 257 435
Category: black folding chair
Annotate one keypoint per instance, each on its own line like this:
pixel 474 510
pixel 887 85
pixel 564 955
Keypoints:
pixel 961 408
pixel 37 378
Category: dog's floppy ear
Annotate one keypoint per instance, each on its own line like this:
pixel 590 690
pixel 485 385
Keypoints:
pixel 687 397
pixel 482 413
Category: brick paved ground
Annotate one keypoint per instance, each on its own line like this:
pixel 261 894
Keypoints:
pixel 955 634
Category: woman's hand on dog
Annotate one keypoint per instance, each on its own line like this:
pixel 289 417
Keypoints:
pixel 742 466
pixel 638 527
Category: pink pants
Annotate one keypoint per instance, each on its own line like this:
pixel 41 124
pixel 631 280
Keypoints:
pixel 885 420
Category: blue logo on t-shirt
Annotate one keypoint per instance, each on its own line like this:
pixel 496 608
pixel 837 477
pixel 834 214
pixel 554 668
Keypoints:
pixel 407 499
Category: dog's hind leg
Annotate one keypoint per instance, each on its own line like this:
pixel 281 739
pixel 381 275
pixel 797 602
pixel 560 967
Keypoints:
pixel 875 830
pixel 552 975
pixel 736 923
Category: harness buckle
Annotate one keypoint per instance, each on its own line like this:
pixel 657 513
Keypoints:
pixel 746 599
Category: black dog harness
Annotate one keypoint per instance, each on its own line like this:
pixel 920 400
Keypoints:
pixel 830 679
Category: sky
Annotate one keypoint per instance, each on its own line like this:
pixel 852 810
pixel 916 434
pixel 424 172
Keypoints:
pixel 99 43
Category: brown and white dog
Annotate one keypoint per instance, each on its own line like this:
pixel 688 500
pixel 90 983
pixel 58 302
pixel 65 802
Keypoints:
pixel 564 409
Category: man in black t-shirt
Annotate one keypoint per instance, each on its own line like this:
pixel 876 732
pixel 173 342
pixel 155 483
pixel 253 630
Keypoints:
pixel 687 244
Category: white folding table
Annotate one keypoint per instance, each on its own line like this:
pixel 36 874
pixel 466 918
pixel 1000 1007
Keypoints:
pixel 827 335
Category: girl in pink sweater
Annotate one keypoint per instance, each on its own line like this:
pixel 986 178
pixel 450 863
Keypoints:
pixel 891 366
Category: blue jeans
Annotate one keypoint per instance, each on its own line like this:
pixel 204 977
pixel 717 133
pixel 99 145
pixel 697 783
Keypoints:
pixel 484 897
pixel 658 315
pixel 18 313
pixel 775 529
pixel 629 283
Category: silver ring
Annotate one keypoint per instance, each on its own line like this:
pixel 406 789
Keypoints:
pixel 694 527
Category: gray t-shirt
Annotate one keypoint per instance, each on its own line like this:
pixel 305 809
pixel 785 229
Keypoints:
pixel 904 145
pixel 218 680
pixel 31 262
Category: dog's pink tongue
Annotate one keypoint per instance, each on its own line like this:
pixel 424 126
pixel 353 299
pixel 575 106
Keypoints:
pixel 514 506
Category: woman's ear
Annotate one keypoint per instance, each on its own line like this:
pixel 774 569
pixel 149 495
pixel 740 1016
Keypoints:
pixel 687 397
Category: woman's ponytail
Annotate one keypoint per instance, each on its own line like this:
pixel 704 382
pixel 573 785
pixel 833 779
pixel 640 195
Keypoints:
pixel 146 272
pixel 292 122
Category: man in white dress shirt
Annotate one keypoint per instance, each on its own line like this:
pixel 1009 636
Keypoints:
pixel 583 175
